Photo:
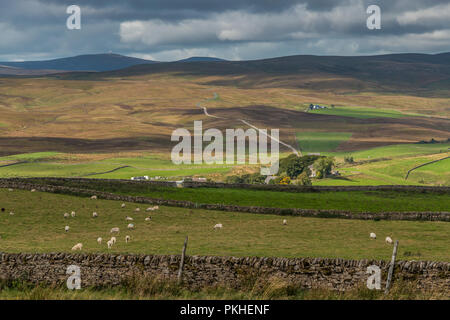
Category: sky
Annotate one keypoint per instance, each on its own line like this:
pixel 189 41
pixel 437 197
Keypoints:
pixel 167 30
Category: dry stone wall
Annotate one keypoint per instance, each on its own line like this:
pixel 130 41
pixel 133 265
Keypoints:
pixel 200 271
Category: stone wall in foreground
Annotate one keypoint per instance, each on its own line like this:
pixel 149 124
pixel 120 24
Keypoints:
pixel 199 271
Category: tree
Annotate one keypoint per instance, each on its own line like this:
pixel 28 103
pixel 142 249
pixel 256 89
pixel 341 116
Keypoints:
pixel 349 160
pixel 293 165
pixel 323 166
pixel 303 179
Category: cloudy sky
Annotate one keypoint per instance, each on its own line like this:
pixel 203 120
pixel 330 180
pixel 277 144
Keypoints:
pixel 167 30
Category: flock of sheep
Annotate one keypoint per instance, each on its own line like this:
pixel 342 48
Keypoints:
pixel 388 239
pixel 113 240
pixel 130 226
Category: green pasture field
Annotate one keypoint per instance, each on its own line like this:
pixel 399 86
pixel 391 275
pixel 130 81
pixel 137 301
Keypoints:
pixel 52 164
pixel 356 201
pixel 395 151
pixel 38 226
pixel 321 141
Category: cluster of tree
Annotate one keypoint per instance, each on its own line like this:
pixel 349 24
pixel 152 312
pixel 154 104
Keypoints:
pixel 323 166
pixel 292 170
pixel 254 178
pixel 349 160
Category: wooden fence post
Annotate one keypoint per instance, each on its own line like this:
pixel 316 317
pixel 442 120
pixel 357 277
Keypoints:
pixel 391 267
pixel 180 270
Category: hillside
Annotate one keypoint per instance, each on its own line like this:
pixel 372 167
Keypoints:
pixel 385 73
pixel 89 62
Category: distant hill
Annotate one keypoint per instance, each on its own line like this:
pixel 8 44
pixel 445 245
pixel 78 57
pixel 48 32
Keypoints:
pixel 389 73
pixel 393 72
pixel 89 62
pixel 201 59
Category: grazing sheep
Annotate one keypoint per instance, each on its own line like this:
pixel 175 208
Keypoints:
pixel 66 215
pixel 130 226
pixel 115 230
pixel 284 222
pixel 66 228
pixel 33 190
pixel 78 246
pixel 94 198
pixel 110 244
pixel 123 205
pixel 129 218
pixel 138 209
pixel 113 240
pixel 99 240
pixel 373 235
pixel 218 226
pixel 389 240
pixel 94 214
pixel 148 218
pixel 73 214
pixel 149 209
pixel 127 239
pixel 10 190
pixel 11 213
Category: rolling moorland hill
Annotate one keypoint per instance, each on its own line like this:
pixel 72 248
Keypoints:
pixel 87 62
pixel 418 73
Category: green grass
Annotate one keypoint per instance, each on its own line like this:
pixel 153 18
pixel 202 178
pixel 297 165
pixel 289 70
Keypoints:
pixel 145 288
pixel 397 150
pixel 356 201
pixel 321 141
pixel 45 164
pixel 38 226
pixel 360 112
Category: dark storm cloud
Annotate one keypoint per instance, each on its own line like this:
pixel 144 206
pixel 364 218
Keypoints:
pixel 233 29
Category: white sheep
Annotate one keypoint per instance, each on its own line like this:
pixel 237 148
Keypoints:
pixel 127 239
pixel 94 198
pixel 148 218
pixel 115 230
pixel 110 244
pixel 284 222
pixel 113 240
pixel 156 208
pixel 138 209
pixel 218 226
pixel 94 214
pixel 10 190
pixel 129 218
pixel 73 214
pixel 373 235
pixel 123 205
pixel 78 246
pixel 11 213
pixel 149 209
pixel 66 228
pixel 33 190
pixel 99 240
pixel 66 215
pixel 130 226
pixel 389 240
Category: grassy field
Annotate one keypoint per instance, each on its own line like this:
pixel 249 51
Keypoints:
pixel 149 289
pixel 38 226
pixel 394 172
pixel 321 141
pixel 355 201
pixel 378 166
